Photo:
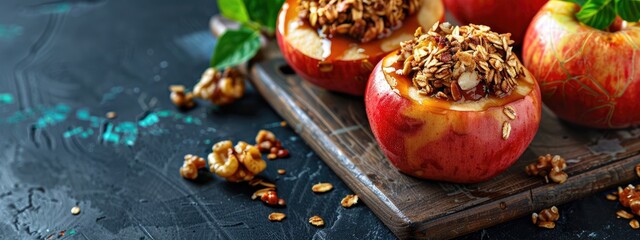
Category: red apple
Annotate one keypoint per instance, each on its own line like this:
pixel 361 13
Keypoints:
pixel 340 63
pixel 501 15
pixel 587 76
pixel 450 141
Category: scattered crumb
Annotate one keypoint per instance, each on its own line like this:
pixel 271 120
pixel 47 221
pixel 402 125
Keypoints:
pixel 349 200
pixel 282 171
pixel 111 115
pixel 75 210
pixel 316 221
pixel 276 216
pixel 322 187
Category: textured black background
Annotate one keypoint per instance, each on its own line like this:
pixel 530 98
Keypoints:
pixel 62 59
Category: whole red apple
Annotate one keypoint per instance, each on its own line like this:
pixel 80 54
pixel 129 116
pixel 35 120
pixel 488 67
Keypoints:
pixel 511 16
pixel 342 64
pixel 587 76
pixel 436 139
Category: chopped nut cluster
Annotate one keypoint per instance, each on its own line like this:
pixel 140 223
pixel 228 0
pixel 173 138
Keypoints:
pixel 180 97
pixel 461 62
pixel 221 88
pixel 549 167
pixel 349 200
pixel 271 197
pixel 546 218
pixel 259 193
pixel 316 221
pixel 191 165
pixel 236 164
pixel 267 143
pixel 321 187
pixel 364 20
pixel 630 197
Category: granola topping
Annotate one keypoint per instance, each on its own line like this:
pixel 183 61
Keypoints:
pixel 365 20
pixel 460 62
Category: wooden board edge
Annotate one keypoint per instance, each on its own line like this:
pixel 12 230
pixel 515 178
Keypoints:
pixel 387 212
pixel 545 196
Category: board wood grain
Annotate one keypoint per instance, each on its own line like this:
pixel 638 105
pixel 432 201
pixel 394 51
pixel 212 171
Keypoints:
pixel 336 127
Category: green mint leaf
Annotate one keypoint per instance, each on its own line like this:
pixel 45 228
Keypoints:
pixel 629 10
pixel 234 10
pixel 597 13
pixel 579 2
pixel 264 12
pixel 235 47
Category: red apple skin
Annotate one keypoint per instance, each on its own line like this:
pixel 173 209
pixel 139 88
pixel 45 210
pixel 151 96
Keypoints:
pixel 503 16
pixel 345 76
pixel 447 145
pixel 587 76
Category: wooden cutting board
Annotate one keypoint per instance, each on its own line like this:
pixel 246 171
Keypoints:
pixel 336 127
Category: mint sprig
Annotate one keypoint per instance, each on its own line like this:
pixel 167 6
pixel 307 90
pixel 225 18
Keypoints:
pixel 235 47
pixel 600 14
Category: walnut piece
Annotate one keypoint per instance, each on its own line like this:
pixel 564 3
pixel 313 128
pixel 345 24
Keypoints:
pixel 221 88
pixel 180 97
pixel 191 165
pixel 365 20
pixel 236 164
pixel 549 167
pixel 267 142
pixel 546 218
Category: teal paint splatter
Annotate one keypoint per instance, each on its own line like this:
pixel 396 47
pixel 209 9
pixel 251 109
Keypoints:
pixel 72 232
pixel 84 115
pixel 123 133
pixel 118 133
pixel 207 141
pixel 78 131
pixel 8 32
pixel 54 8
pixel 6 98
pixel 53 116
pixel 113 92
pixel 21 116
pixel 149 120
pixel 178 116
pixel 109 135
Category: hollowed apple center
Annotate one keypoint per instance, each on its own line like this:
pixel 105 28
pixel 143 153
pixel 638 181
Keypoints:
pixel 305 38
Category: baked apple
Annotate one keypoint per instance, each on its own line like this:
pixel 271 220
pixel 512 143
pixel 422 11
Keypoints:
pixel 511 16
pixel 453 104
pixel 587 76
pixel 335 44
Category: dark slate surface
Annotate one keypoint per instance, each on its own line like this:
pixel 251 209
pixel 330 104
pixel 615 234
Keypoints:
pixel 64 64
